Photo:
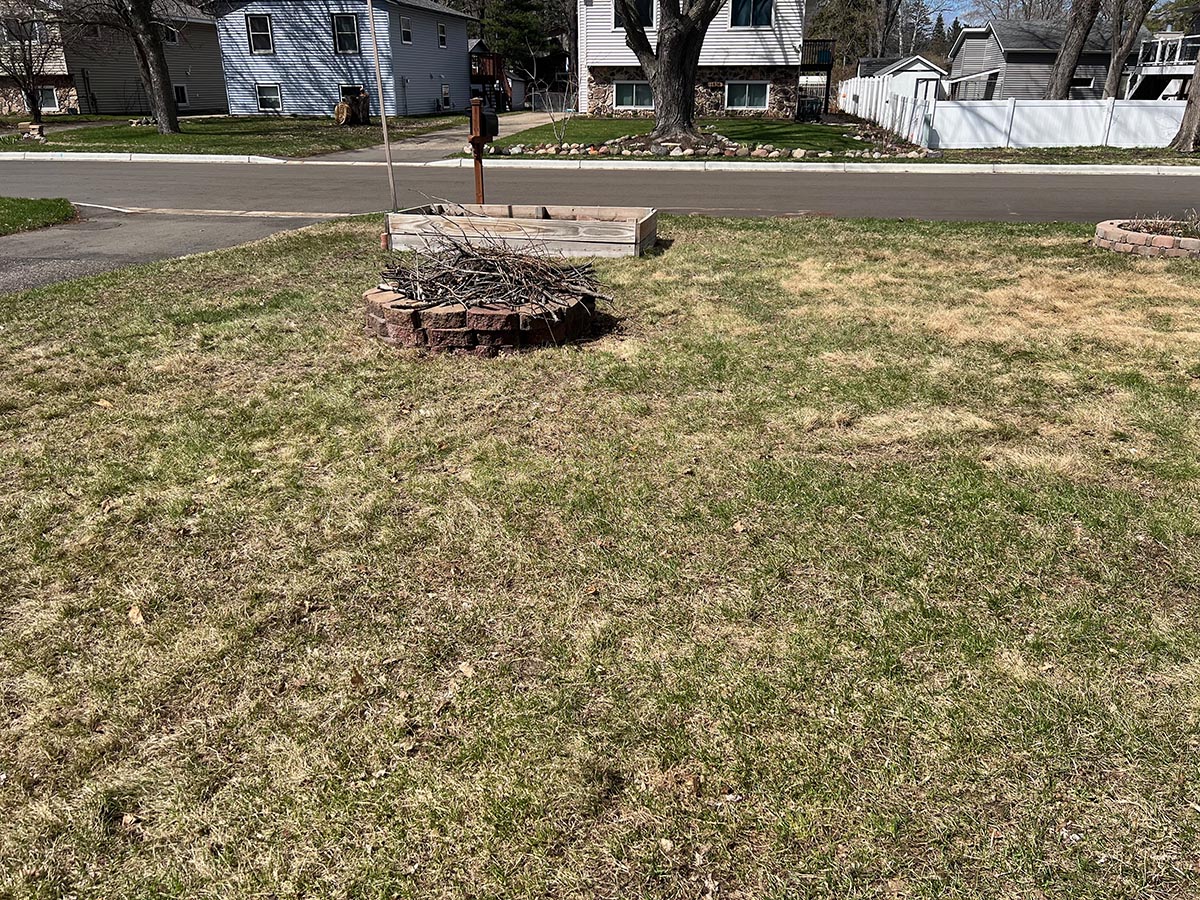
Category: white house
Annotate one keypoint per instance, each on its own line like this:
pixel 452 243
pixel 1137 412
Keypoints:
pixel 749 64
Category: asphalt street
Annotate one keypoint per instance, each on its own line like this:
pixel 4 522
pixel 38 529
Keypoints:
pixel 194 207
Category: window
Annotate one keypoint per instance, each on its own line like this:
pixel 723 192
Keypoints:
pixel 746 95
pixel 345 33
pixel 17 31
pixel 269 97
pixel 1083 83
pixel 405 30
pixel 181 97
pixel 751 13
pixel 633 95
pixel 441 34
pixel 48 99
pixel 446 104
pixel 645 10
pixel 170 36
pixel 351 91
pixel 259 30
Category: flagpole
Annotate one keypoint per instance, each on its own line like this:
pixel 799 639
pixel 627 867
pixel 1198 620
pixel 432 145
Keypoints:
pixel 387 144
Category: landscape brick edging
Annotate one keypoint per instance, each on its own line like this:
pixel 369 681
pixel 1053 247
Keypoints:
pixel 1113 235
pixel 482 329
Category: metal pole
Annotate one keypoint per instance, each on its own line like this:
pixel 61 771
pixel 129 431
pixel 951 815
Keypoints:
pixel 387 144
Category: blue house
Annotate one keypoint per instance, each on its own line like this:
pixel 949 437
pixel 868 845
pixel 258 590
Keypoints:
pixel 300 57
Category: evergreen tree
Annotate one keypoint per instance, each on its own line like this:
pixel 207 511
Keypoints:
pixel 515 29
pixel 938 44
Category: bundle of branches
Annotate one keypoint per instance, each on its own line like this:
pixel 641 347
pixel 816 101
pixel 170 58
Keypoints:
pixel 491 274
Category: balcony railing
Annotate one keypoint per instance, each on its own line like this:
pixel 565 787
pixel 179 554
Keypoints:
pixel 1172 51
pixel 817 54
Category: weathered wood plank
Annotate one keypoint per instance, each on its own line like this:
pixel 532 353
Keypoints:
pixel 530 229
pixel 566 248
pixel 574 230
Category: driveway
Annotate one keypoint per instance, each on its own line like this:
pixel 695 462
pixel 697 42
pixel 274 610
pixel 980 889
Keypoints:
pixel 437 144
pixel 103 240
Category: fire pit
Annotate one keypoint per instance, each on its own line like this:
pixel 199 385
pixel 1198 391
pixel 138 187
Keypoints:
pixel 458 297
pixel 1150 237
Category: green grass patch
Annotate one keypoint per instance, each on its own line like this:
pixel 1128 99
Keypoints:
pixel 783 134
pixel 20 214
pixel 251 135
pixel 859 560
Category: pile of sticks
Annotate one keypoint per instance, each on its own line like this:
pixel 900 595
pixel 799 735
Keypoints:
pixel 475 274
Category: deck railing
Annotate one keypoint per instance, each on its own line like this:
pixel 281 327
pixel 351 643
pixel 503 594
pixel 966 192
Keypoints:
pixel 1170 51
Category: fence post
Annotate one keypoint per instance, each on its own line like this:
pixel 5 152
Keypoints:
pixel 1012 113
pixel 1108 119
pixel 933 105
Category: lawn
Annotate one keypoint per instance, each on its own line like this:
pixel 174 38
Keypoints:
pixel 860 559
pixel 1143 156
pixel 250 135
pixel 783 134
pixel 19 214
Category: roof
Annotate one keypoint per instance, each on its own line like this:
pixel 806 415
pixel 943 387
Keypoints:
pixel 223 7
pixel 870 65
pixel 433 6
pixel 1038 36
pixel 907 63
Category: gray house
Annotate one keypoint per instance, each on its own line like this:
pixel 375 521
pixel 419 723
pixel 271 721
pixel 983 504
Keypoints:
pixel 1005 59
pixel 106 74
pixel 95 69
pixel 300 57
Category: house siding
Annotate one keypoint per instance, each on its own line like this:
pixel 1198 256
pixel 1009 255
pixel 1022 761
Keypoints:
pixel 1027 75
pixel 1024 74
pixel 109 82
pixel 773 45
pixel 310 74
pixel 728 53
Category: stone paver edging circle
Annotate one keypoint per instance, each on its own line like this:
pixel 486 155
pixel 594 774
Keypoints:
pixel 1116 235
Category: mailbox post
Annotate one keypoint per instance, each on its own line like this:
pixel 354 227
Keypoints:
pixel 485 125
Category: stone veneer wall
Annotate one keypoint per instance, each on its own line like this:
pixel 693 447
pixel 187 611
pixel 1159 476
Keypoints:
pixel 1115 235
pixel 12 103
pixel 710 90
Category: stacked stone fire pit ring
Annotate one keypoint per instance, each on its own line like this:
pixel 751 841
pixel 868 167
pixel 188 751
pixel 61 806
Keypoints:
pixel 482 329
pixel 1122 236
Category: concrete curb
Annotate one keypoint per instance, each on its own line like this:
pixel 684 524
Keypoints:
pixel 848 168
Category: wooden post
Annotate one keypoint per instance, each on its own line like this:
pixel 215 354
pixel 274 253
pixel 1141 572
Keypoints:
pixel 477 141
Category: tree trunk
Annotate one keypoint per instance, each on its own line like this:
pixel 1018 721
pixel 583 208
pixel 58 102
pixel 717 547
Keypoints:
pixel 33 101
pixel 1121 51
pixel 673 81
pixel 152 60
pixel 1079 25
pixel 671 65
pixel 1188 138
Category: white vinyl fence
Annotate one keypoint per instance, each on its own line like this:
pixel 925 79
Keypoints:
pixel 960 124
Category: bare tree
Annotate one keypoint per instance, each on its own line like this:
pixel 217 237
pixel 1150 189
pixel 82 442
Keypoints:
pixel 671 66
pixel 1021 10
pixel 31 48
pixel 144 23
pixel 1188 138
pixel 1127 18
pixel 1079 25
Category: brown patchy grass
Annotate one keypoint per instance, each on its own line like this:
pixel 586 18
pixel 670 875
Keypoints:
pixel 859 560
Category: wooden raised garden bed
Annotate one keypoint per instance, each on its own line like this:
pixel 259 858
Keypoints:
pixel 565 230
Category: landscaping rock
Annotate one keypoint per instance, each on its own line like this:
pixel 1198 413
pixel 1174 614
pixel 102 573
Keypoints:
pixel 799 153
